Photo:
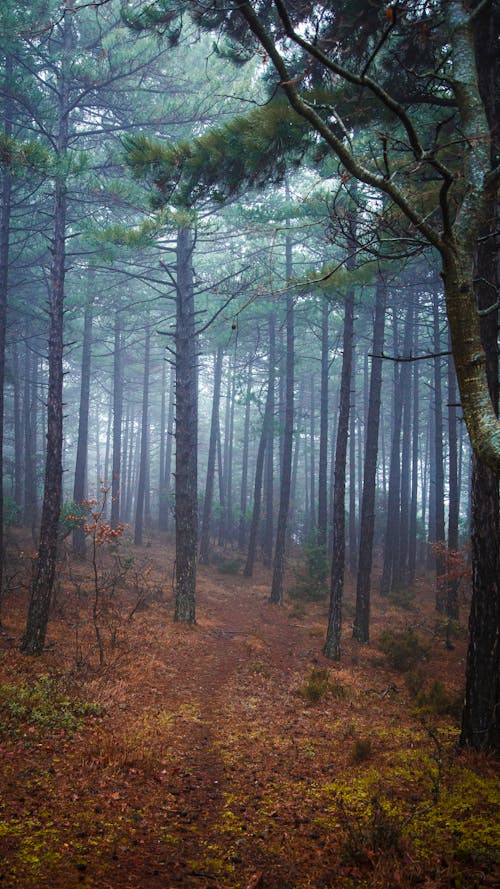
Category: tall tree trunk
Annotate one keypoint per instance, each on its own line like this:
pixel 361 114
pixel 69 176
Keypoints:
pixel 43 579
pixel 481 713
pixel 79 491
pixel 143 472
pixel 352 476
pixel 117 423
pixel 332 642
pixel 167 497
pixel 286 462
pixel 412 532
pixel 212 446
pixel 391 539
pixel 361 630
pixel 312 514
pixel 452 610
pixel 268 523
pixel 18 437
pixel 242 529
pixel 161 456
pixel 259 471
pixel 401 573
pixel 4 282
pixel 228 457
pixel 30 461
pixel 323 428
pixel 186 434
pixel 439 463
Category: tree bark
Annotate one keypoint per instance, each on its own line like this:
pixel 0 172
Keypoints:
pixel 286 462
pixel 439 538
pixel 332 642
pixel 361 630
pixel 268 523
pixel 141 485
pixel 391 538
pixel 481 712
pixel 242 529
pixel 259 470
pixel 5 212
pixel 212 445
pixel 43 580
pixel 79 492
pixel 323 428
pixel 186 434
pixel 117 423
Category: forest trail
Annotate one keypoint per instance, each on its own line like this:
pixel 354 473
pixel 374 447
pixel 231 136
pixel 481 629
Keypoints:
pixel 212 764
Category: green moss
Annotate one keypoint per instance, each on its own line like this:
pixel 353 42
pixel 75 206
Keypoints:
pixel 43 705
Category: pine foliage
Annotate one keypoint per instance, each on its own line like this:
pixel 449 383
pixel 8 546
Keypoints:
pixel 248 152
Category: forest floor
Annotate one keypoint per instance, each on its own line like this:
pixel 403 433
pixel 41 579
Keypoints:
pixel 232 754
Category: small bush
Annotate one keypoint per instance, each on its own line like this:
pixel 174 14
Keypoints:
pixel 229 566
pixel 311 579
pixel 318 685
pixel 297 611
pixel 403 598
pixel 437 701
pixel 362 750
pixel 377 832
pixel 415 681
pixel 403 651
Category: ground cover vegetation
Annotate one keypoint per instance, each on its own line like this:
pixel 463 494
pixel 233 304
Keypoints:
pixel 249 444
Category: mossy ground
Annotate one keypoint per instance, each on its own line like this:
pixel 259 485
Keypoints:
pixel 195 758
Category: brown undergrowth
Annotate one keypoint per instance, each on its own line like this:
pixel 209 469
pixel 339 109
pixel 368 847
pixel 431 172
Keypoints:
pixel 232 754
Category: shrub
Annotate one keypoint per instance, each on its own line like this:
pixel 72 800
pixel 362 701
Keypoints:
pixel 376 832
pixel 437 701
pixel 362 750
pixel 318 685
pixel 403 651
pixel 229 566
pixel 311 578
pixel 404 598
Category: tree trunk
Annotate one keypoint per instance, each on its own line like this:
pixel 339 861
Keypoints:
pixel 212 446
pixel 79 491
pixel 391 539
pixel 452 610
pixel 481 713
pixel 259 470
pixel 286 462
pixel 323 428
pixel 141 486
pixel 43 579
pixel 242 530
pixel 4 280
pixel 332 642
pixel 412 533
pixel 352 475
pixel 186 434
pixel 268 523
pixel 402 566
pixel 117 424
pixel 361 630
pixel 18 437
pixel 439 538
pixel 166 493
